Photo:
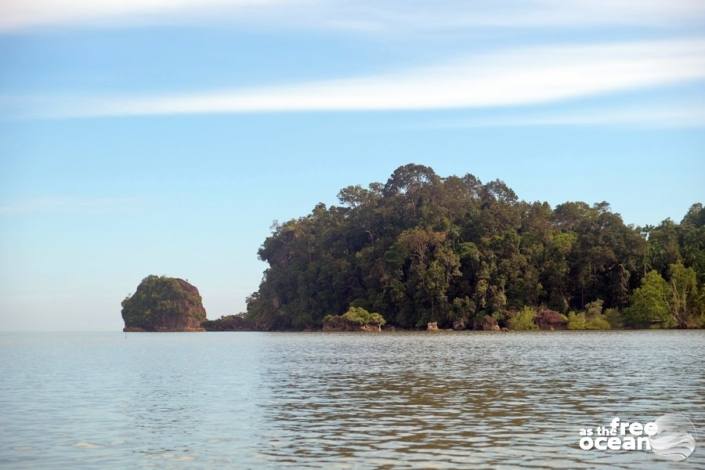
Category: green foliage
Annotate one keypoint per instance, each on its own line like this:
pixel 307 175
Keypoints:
pixel 698 319
pixel 692 240
pixel 363 317
pixel 593 308
pixel 614 318
pixel 523 320
pixel 597 322
pixel 463 309
pixel 228 323
pixel 684 291
pixel 594 318
pixel 353 319
pixel 591 319
pixel 649 304
pixel 163 303
pixel 423 248
pixel 576 321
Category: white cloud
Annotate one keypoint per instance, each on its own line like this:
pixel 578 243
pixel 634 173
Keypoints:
pixel 665 116
pixel 366 15
pixel 22 14
pixel 508 78
pixel 438 15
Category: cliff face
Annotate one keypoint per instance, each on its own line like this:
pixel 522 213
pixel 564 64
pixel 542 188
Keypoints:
pixel 163 304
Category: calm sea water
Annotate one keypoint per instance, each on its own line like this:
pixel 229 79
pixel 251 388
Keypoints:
pixel 470 400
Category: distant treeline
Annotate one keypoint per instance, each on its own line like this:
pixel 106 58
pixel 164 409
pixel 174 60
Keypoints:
pixel 422 248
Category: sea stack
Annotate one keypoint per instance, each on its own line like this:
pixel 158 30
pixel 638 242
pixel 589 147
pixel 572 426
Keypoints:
pixel 163 303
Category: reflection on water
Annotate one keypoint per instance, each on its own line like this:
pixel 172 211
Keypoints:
pixel 468 400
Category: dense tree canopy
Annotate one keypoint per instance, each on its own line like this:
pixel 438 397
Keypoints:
pixel 424 248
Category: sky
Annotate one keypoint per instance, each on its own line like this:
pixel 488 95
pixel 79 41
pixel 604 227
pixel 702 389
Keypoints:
pixel 165 137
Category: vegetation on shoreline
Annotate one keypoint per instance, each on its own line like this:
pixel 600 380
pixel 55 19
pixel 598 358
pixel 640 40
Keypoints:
pixel 422 248
pixel 228 323
pixel 355 319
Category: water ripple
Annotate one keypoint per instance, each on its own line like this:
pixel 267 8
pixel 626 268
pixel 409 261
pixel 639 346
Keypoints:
pixel 402 400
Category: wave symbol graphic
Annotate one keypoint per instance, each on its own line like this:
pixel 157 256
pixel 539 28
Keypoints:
pixel 674 439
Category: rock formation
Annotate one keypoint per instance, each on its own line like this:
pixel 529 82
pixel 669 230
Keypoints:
pixel 548 319
pixel 163 304
pixel 487 323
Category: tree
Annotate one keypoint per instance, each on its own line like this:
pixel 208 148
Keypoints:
pixel 591 319
pixel 421 266
pixel 692 240
pixel 684 291
pixel 649 303
pixel 664 247
pixel 355 317
pixel 421 248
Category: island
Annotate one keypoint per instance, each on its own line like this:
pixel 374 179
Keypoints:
pixel 163 303
pixel 426 252
pixel 431 252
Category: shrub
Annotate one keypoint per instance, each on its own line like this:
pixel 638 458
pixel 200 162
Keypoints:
pixel 597 322
pixel 593 308
pixel 523 320
pixel 576 321
pixel 696 321
pixel 614 318
pixel 649 303
pixel 361 316
pixel 581 321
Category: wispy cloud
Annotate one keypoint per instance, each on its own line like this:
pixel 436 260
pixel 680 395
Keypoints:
pixel 507 78
pixel 19 15
pixel 366 15
pixel 673 115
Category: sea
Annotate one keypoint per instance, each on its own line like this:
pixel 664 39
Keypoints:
pixel 343 400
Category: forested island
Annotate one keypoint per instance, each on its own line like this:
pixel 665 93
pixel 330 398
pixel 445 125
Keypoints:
pixel 422 248
pixel 454 252
pixel 163 304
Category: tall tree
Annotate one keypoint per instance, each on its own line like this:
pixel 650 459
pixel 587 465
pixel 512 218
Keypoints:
pixel 421 247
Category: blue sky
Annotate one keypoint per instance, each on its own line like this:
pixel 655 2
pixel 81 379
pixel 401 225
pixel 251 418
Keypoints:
pixel 142 137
